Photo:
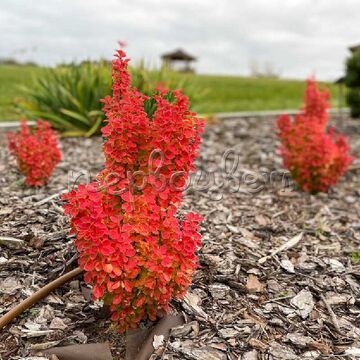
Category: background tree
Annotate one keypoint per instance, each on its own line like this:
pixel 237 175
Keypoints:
pixel 352 80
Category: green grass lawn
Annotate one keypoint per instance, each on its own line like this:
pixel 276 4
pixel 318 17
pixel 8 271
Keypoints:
pixel 231 94
pixel 224 93
pixel 11 77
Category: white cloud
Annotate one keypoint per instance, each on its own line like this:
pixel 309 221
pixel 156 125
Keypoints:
pixel 298 37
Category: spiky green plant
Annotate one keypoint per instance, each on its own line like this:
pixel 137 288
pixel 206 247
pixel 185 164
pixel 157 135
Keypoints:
pixel 69 96
pixel 147 79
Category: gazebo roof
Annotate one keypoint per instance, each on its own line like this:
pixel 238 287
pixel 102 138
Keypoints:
pixel 178 54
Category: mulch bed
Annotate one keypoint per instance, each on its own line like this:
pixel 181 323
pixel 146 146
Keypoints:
pixel 245 301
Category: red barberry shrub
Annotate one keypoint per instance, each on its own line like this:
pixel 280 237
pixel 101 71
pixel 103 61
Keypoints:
pixel 135 252
pixel 316 157
pixel 36 151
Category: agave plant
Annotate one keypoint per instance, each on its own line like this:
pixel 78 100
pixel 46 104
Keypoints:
pixel 146 80
pixel 69 97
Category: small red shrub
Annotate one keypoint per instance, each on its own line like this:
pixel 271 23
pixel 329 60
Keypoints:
pixel 134 251
pixel 36 152
pixel 316 158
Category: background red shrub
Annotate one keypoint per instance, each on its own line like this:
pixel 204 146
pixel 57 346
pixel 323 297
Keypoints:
pixel 36 152
pixel 315 156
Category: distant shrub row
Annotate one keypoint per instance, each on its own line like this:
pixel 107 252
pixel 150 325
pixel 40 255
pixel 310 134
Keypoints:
pixel 14 62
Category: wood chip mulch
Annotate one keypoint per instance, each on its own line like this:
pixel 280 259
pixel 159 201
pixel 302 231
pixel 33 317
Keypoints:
pixel 280 269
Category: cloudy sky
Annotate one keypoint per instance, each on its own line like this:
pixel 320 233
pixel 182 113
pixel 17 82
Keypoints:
pixel 297 37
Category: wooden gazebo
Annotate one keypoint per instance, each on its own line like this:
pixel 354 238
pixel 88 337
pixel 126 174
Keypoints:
pixel 178 60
